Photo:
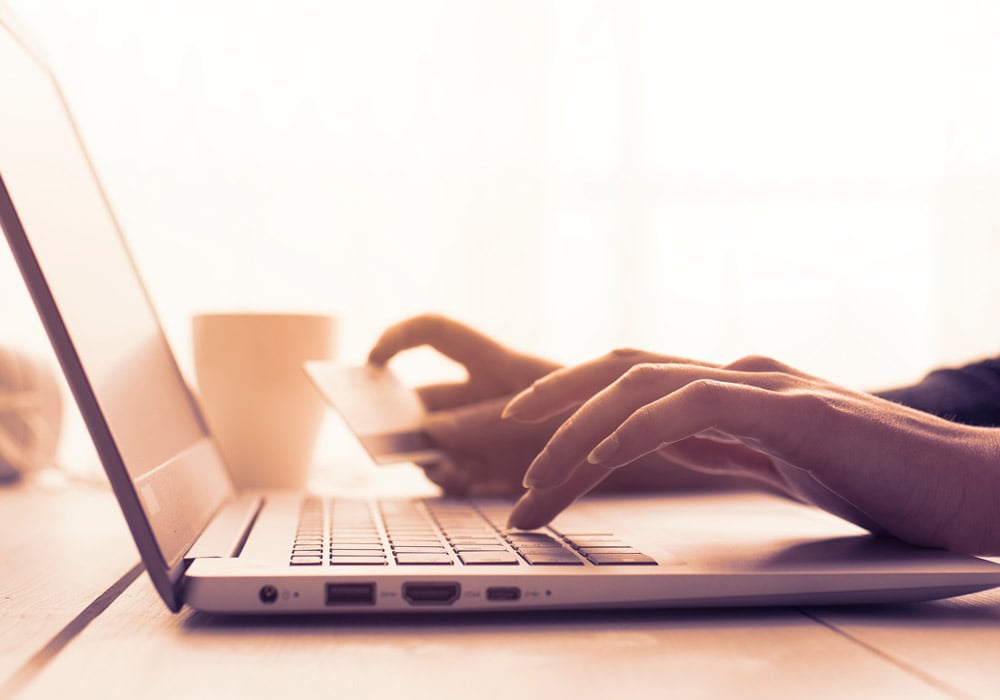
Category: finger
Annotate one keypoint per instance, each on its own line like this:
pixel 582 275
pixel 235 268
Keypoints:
pixel 539 506
pixel 472 426
pixel 437 397
pixel 643 384
pixel 566 388
pixel 770 419
pixel 449 337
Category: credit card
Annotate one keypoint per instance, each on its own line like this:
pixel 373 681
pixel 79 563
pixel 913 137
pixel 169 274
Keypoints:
pixel 383 413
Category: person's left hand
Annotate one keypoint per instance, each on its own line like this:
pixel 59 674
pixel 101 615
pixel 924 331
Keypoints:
pixel 884 466
pixel 487 456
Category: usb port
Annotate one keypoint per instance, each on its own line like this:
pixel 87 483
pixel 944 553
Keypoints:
pixel 350 594
pixel 503 593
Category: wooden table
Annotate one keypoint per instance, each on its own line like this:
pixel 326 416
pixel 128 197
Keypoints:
pixel 79 619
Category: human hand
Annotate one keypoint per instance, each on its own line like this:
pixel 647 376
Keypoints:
pixel 488 455
pixel 884 466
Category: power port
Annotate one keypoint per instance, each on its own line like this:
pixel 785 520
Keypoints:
pixel 268 594
pixel 503 593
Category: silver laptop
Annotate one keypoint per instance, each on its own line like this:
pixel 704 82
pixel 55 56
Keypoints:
pixel 214 549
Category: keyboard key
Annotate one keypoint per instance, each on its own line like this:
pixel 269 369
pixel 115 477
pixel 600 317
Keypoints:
pixel 423 558
pixel 367 561
pixel 551 559
pixel 343 541
pixel 482 547
pixel 355 552
pixel 414 549
pixel 530 537
pixel 587 551
pixel 540 547
pixel 373 546
pixel 630 559
pixel 409 542
pixel 590 541
pixel 473 558
pixel 306 561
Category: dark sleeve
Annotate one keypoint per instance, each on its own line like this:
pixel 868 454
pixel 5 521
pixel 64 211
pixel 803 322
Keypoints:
pixel 969 394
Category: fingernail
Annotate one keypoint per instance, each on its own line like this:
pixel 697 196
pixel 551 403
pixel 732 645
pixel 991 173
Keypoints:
pixel 605 451
pixel 515 406
pixel 508 411
pixel 536 474
pixel 520 516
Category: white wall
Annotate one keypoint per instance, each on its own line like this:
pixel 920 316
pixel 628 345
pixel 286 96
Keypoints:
pixel 816 181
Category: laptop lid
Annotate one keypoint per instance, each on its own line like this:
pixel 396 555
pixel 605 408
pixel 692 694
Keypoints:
pixel 164 468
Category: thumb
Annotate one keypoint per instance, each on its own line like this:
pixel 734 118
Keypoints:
pixel 467 426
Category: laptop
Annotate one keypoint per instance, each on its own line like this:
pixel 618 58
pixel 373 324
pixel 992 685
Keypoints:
pixel 208 546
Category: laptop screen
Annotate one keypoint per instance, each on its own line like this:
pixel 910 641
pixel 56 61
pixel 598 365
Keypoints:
pixel 153 437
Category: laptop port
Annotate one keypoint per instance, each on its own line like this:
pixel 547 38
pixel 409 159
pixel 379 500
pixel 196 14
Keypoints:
pixel 268 594
pixel 350 594
pixel 503 593
pixel 431 593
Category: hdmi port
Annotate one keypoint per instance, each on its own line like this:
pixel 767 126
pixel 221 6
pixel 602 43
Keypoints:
pixel 431 593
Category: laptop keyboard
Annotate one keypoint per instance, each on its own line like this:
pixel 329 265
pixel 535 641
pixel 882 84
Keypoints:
pixel 350 532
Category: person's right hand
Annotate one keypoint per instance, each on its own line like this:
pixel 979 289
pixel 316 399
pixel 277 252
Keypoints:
pixel 886 467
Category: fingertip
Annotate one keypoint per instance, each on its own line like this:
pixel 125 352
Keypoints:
pixel 527 514
pixel 605 452
pixel 515 407
pixel 523 408
pixel 440 424
pixel 535 475
pixel 379 354
pixel 510 410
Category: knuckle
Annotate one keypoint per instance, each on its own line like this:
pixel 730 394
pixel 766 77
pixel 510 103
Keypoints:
pixel 432 321
pixel 705 386
pixel 756 363
pixel 416 329
pixel 705 391
pixel 805 402
pixel 619 353
pixel 639 375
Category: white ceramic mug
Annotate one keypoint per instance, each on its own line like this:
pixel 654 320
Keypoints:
pixel 254 393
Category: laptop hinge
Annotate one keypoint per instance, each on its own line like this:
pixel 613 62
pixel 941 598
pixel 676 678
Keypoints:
pixel 227 532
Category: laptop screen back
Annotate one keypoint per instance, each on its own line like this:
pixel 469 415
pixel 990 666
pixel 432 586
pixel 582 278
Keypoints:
pixel 57 218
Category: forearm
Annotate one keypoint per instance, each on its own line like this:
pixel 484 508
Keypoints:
pixel 969 394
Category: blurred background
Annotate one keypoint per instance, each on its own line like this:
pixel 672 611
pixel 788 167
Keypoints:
pixel 819 182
